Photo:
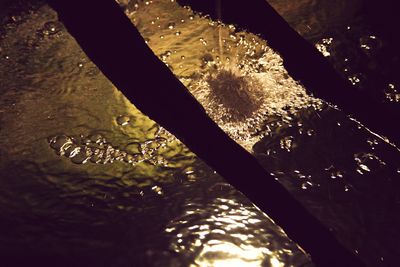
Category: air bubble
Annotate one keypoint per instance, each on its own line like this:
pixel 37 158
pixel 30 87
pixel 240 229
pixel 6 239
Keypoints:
pixel 81 157
pixel 306 185
pixel 164 56
pixel 171 25
pixel 50 28
pixel 310 132
pixel 287 143
pixel 71 150
pixel 123 120
pixel 203 41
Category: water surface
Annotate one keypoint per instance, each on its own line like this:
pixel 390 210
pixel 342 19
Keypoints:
pixel 86 179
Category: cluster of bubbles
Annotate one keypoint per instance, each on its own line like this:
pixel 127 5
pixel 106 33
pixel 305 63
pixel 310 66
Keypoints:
pixel 50 28
pixel 365 160
pixel 367 48
pixel 392 94
pixel 95 149
pixel 306 180
pixel 323 46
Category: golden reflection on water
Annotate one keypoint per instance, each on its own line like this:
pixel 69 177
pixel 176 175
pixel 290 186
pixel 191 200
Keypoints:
pixel 223 235
pixel 221 254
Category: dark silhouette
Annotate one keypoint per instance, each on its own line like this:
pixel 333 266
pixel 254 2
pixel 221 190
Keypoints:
pixel 110 40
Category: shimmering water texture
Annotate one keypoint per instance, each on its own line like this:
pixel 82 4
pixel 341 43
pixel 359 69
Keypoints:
pixel 86 178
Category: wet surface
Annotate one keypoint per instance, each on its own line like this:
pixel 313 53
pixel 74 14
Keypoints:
pixel 86 179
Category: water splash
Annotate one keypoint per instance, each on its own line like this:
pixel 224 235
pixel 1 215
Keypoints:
pixel 241 83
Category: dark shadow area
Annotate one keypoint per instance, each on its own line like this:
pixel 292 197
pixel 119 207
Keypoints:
pixel 383 17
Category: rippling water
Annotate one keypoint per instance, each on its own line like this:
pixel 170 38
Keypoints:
pixel 86 179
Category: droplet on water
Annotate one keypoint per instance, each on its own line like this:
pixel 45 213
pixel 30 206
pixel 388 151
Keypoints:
pixel 306 185
pixel 50 28
pixel 123 120
pixel 203 41
pixel 171 25
pixel 287 143
pixel 157 190
pixel 96 138
pixel 58 143
pixel 80 158
pixel 72 150
pixel 310 132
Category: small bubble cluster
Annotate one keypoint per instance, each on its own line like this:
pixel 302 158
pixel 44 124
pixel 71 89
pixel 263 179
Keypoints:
pixel 95 149
pixel 306 181
pixel 286 143
pixel 334 173
pixel 392 94
pixel 365 161
pixel 370 43
pixel 50 28
pixel 324 45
